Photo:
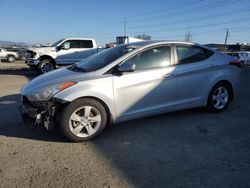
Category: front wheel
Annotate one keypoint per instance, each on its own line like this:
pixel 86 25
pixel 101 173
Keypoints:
pixel 11 58
pixel 45 66
pixel 83 120
pixel 219 97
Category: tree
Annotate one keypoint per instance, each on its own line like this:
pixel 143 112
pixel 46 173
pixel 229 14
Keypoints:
pixel 188 36
pixel 143 36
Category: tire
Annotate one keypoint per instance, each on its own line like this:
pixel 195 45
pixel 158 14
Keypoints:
pixel 11 58
pixel 46 65
pixel 83 120
pixel 219 97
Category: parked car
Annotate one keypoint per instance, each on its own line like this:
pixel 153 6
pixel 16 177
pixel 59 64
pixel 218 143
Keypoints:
pixel 130 81
pixel 63 52
pixel 244 57
pixel 8 55
pixel 21 51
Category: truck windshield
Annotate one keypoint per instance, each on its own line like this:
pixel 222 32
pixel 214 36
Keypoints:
pixel 56 43
pixel 102 59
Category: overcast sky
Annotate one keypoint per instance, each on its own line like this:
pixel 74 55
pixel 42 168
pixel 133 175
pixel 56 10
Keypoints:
pixel 45 21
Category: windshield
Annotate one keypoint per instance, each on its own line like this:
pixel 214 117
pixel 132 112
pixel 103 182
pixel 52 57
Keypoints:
pixel 56 43
pixel 103 58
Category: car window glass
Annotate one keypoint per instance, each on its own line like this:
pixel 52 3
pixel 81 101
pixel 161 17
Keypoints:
pixel 104 57
pixel 191 54
pixel 66 45
pixel 69 44
pixel 152 58
pixel 84 44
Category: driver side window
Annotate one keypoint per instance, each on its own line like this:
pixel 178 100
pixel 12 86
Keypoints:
pixel 69 44
pixel 152 58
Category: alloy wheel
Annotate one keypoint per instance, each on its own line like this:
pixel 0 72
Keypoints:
pixel 85 121
pixel 220 97
pixel 46 67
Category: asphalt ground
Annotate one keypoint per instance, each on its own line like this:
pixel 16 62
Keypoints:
pixel 191 148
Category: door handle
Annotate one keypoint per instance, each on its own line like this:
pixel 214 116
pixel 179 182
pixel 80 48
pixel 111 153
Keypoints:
pixel 168 76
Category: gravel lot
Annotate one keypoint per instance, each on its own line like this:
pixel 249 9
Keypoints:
pixel 191 148
pixel 17 65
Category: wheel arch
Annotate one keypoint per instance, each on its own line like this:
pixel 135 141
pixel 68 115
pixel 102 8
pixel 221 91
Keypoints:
pixel 110 115
pixel 228 83
pixel 7 55
pixel 47 57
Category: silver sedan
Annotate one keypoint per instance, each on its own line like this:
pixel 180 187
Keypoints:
pixel 130 81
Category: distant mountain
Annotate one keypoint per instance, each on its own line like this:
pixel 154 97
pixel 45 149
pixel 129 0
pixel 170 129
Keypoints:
pixel 11 43
pixel 214 45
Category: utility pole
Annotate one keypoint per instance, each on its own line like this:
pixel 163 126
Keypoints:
pixel 225 44
pixel 125 26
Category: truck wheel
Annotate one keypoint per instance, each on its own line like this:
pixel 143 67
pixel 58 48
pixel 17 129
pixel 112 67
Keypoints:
pixel 46 65
pixel 11 58
pixel 83 120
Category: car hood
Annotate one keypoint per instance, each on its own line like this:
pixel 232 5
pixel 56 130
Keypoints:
pixel 43 49
pixel 56 77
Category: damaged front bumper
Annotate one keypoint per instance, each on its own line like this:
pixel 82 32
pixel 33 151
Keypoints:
pixel 39 113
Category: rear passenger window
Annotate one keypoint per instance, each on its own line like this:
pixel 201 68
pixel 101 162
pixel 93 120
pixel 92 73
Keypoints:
pixel 192 54
pixel 84 44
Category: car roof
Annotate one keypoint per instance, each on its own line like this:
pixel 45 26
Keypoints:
pixel 148 42
pixel 77 38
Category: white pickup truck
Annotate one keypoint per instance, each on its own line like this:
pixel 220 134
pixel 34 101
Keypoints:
pixel 63 52
pixel 7 55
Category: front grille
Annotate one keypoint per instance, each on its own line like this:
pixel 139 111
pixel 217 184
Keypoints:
pixel 30 54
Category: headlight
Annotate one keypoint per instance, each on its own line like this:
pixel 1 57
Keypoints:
pixel 45 94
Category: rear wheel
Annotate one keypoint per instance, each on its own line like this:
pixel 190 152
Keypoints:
pixel 83 120
pixel 11 58
pixel 219 97
pixel 46 65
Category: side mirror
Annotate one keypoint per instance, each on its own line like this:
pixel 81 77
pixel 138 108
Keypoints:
pixel 126 67
pixel 58 48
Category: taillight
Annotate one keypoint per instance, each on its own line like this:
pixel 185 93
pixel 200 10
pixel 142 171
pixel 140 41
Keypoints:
pixel 236 63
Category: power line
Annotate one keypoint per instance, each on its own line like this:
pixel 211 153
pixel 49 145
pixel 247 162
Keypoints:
pixel 197 26
pixel 189 11
pixel 97 28
pixel 115 29
pixel 166 9
pixel 207 17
